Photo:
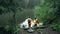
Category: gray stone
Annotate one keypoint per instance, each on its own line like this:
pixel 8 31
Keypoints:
pixel 30 30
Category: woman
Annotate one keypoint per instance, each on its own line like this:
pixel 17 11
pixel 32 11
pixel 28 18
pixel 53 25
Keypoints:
pixel 36 21
pixel 29 21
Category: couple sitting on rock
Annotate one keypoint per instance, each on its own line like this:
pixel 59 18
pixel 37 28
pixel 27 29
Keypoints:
pixel 30 21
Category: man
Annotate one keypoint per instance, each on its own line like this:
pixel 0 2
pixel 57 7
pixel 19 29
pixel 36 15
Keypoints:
pixel 29 21
pixel 36 21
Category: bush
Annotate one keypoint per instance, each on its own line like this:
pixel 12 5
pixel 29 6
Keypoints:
pixel 55 27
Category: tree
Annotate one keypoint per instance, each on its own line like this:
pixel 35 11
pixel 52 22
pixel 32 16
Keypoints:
pixel 9 6
pixel 48 12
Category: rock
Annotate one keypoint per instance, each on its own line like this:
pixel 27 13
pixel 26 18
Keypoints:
pixel 30 30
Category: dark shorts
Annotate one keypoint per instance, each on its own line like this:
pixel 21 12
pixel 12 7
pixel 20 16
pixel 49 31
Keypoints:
pixel 35 24
pixel 29 25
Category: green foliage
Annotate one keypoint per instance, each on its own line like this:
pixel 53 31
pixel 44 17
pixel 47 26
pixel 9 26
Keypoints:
pixel 25 33
pixel 48 13
pixel 39 30
pixel 7 6
pixel 42 12
pixel 55 27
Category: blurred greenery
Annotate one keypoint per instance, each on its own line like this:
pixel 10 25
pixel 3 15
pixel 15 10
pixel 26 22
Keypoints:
pixel 48 13
pixel 13 12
